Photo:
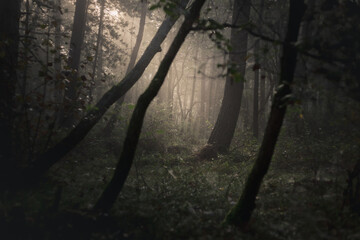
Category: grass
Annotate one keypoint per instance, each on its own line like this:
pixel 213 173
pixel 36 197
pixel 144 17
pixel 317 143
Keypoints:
pixel 175 196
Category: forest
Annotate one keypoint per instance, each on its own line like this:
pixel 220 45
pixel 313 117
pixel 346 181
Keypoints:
pixel 179 119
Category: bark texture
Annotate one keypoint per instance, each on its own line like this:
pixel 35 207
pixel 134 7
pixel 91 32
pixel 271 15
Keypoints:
pixel 262 102
pixel 9 42
pixel 111 192
pixel 257 67
pixel 76 42
pixel 225 125
pixel 241 213
pixel 255 123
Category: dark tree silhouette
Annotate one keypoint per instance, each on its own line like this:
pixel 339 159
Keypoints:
pixel 241 213
pixel 256 68
pixel 225 125
pixel 111 192
pixel 9 43
pixel 76 42
pixel 64 146
pixel 98 44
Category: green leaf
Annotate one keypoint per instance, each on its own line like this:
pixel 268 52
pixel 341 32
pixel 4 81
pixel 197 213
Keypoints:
pixel 91 108
pixel 131 106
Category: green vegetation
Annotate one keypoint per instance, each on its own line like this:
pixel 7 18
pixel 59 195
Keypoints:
pixel 174 195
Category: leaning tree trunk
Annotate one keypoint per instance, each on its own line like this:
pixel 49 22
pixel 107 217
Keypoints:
pixel 241 213
pixel 56 153
pixel 225 125
pixel 112 121
pixel 111 192
pixel 76 42
pixel 9 43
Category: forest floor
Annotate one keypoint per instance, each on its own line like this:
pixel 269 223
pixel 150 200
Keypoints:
pixel 173 195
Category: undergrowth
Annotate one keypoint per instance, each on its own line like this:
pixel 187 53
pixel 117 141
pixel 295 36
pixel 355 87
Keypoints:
pixel 170 194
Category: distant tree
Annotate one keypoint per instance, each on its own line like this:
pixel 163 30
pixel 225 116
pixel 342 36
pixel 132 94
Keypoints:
pixel 262 101
pixel 255 120
pixel 76 42
pixel 111 192
pixel 170 92
pixel 26 44
pixel 256 68
pixel 210 92
pixel 225 125
pixel 99 40
pixel 202 110
pixel 64 146
pixel 192 96
pixel 139 36
pixel 111 123
pixel 240 214
pixel 57 56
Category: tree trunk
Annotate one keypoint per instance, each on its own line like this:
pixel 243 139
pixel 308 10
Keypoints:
pixel 192 96
pixel 255 122
pixel 225 125
pixel 54 154
pixel 139 37
pixel 76 42
pixel 202 110
pixel 99 74
pixel 217 95
pixel 241 213
pixel 113 119
pixel 26 48
pixel 58 22
pixel 58 90
pixel 262 101
pixel 170 92
pixel 257 67
pixel 160 96
pixel 9 44
pixel 98 46
pixel 111 192
pixel 211 97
